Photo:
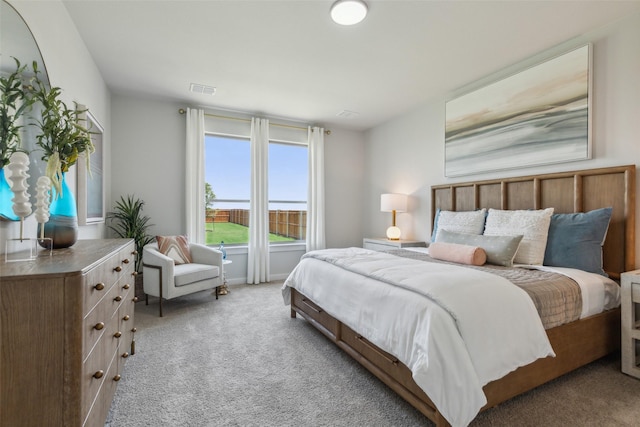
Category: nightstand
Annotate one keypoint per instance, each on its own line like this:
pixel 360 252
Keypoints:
pixel 383 244
pixel 630 318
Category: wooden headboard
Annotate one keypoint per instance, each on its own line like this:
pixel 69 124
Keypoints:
pixel 567 192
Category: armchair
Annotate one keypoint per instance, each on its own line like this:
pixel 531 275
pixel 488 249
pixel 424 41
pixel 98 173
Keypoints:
pixel 163 279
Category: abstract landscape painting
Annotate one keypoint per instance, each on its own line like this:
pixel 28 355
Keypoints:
pixel 538 116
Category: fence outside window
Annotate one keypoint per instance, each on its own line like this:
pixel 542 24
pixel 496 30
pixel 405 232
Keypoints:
pixel 285 223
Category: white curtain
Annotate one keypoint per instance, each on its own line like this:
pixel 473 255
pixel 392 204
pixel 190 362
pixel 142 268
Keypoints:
pixel 194 192
pixel 315 196
pixel 258 257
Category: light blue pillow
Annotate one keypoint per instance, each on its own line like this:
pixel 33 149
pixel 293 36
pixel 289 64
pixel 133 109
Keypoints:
pixel 575 240
pixel 500 250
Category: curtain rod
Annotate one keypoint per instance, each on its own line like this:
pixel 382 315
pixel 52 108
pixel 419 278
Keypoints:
pixel 183 111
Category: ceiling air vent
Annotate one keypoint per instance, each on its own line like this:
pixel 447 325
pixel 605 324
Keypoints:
pixel 346 114
pixel 203 89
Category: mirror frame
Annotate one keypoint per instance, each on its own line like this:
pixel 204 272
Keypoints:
pixel 16 39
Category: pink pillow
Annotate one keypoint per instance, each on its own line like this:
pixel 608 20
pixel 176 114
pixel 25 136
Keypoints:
pixel 462 254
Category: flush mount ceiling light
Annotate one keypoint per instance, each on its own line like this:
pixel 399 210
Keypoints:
pixel 348 12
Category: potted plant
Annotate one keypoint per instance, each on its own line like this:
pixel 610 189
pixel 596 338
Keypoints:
pixel 14 103
pixel 127 221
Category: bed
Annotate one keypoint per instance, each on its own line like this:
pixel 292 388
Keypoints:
pixel 574 344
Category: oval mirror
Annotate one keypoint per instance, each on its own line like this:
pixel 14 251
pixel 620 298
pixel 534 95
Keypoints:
pixel 17 41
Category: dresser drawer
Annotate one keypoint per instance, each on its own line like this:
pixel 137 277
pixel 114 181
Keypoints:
pixel 99 280
pixel 95 322
pixel 93 373
pixel 97 412
pixel 101 277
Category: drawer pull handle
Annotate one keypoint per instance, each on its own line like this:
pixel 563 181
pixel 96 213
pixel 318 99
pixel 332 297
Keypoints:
pixel 118 269
pixel 126 317
pixel 117 334
pixel 117 378
pixel 134 253
pixel 393 361
pixel 126 286
pixel 99 286
pixel 99 326
pixel 135 299
pixel 134 273
pixel 118 298
pixel 307 303
pixel 134 330
pixel 125 355
pixel 125 261
pixel 98 374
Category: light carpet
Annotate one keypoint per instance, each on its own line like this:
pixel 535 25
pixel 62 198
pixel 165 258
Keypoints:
pixel 242 361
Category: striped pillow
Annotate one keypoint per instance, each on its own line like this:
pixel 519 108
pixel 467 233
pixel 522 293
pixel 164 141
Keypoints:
pixel 175 247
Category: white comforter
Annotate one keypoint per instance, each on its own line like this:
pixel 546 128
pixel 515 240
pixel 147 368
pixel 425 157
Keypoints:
pixel 455 328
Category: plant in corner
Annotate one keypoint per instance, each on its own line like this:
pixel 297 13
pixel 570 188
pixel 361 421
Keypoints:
pixel 63 138
pixel 127 221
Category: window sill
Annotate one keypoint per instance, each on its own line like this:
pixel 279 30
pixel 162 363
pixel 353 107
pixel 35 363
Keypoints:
pixel 280 247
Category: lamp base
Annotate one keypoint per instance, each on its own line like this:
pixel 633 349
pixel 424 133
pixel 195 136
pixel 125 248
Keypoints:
pixel 393 233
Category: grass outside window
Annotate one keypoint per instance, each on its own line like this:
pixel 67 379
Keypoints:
pixel 231 234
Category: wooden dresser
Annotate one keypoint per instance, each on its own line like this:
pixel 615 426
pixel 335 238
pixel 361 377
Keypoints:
pixel 66 329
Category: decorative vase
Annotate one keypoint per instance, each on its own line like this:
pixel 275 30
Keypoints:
pixel 62 226
pixel 6 204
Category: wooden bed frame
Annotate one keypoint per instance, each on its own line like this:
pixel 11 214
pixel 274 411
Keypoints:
pixel 575 344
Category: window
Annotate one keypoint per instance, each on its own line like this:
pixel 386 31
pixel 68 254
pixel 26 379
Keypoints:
pixel 288 178
pixel 228 189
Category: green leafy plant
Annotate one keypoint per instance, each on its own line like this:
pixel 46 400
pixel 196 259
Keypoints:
pixel 127 221
pixel 63 135
pixel 14 103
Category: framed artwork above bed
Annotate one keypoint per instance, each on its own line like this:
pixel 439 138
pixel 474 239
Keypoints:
pixel 540 115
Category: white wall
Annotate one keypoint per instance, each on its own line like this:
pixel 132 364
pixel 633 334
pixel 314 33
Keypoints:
pixel 407 154
pixel 70 67
pixel 148 152
pixel 344 187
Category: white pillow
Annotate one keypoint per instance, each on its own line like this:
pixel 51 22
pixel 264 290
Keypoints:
pixel 533 225
pixel 467 222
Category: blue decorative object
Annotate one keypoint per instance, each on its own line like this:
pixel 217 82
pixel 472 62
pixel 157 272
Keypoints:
pixel 222 249
pixel 6 205
pixel 62 226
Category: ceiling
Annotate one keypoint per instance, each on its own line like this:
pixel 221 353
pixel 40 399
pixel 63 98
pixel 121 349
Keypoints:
pixel 287 59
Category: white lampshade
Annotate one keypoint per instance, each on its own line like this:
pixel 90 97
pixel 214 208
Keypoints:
pixel 348 12
pixel 393 202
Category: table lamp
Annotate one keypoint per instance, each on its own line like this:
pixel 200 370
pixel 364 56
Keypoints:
pixel 393 202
